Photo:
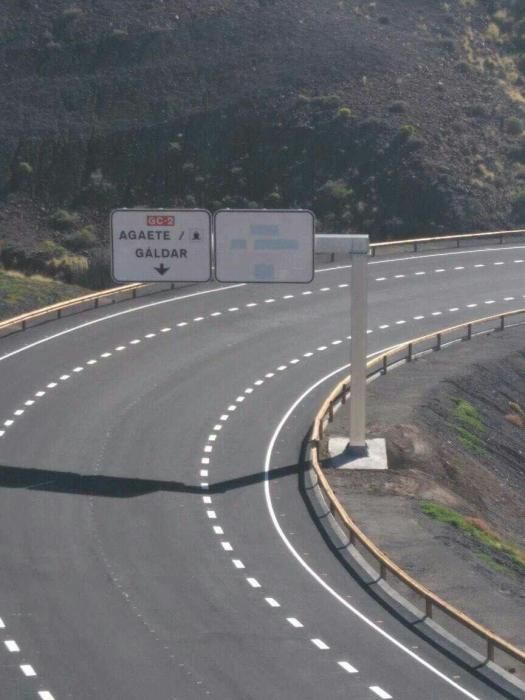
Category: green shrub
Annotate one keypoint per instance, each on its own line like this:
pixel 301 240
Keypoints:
pixel 518 205
pixel 25 168
pixel 83 239
pixel 49 249
pixel 63 220
pixel 472 528
pixel 337 189
pixel 514 126
pixel 476 110
pixel 469 426
pixel 72 12
pixel 398 107
pixel 344 113
pixel 407 131
pixel 274 198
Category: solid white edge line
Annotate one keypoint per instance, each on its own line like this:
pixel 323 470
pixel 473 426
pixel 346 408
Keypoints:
pixel 424 257
pixel 109 317
pixel 172 300
pixel 308 568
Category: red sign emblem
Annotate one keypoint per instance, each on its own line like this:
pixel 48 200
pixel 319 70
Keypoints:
pixel 161 220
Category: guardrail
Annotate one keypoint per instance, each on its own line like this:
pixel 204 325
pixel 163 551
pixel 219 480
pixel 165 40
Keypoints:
pixel 89 301
pixel 458 238
pixel 405 352
pixel 83 303
pixel 323 241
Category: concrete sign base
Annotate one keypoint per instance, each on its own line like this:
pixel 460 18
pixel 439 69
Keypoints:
pixel 343 458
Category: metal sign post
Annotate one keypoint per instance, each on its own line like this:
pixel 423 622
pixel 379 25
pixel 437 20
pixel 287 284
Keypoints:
pixel 357 246
pixel 358 331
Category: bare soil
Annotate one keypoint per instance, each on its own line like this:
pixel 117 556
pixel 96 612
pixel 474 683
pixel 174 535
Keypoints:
pixel 414 408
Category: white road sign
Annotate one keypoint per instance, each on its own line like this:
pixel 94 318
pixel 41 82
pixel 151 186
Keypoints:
pixel 161 245
pixel 270 245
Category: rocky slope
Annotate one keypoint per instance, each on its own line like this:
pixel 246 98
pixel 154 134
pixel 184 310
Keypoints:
pixel 394 117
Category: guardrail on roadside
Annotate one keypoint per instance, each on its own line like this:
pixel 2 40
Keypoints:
pixel 83 303
pixel 323 241
pixel 405 352
pixel 90 301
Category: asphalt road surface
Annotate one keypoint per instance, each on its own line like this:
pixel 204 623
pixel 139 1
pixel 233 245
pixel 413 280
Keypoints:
pixel 155 543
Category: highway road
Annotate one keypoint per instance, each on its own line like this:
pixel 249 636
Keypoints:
pixel 155 542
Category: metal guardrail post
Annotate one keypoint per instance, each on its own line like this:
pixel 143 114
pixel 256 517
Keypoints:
pixel 438 339
pixel 469 331
pixel 96 304
pixel 428 607
pixel 490 650
pixel 59 313
pixel 410 352
pixel 343 394
pixel 382 570
pixel 415 247
pixel 331 411
pixel 458 241
pixel 385 364
pixel 134 294
pixel 502 323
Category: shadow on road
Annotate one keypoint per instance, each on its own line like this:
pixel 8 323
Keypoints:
pixel 117 486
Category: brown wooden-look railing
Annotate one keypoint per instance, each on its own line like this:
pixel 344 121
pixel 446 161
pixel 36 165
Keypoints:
pixel 89 301
pixel 405 352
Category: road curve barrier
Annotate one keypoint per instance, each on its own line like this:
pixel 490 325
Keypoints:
pixel 131 291
pixel 380 364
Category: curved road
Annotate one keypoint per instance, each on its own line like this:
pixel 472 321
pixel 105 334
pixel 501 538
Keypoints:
pixel 155 542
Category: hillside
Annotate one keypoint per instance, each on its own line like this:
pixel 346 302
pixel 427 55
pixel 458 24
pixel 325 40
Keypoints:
pixel 394 117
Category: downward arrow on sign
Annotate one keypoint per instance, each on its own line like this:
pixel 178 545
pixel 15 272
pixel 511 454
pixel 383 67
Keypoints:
pixel 161 269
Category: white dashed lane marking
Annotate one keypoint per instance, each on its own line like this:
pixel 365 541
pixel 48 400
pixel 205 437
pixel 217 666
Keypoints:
pixel 347 667
pixel 253 582
pixel 294 622
pixel 380 692
pixel 27 670
pixel 272 602
pixel 320 644
pixel 12 646
pixel 238 564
